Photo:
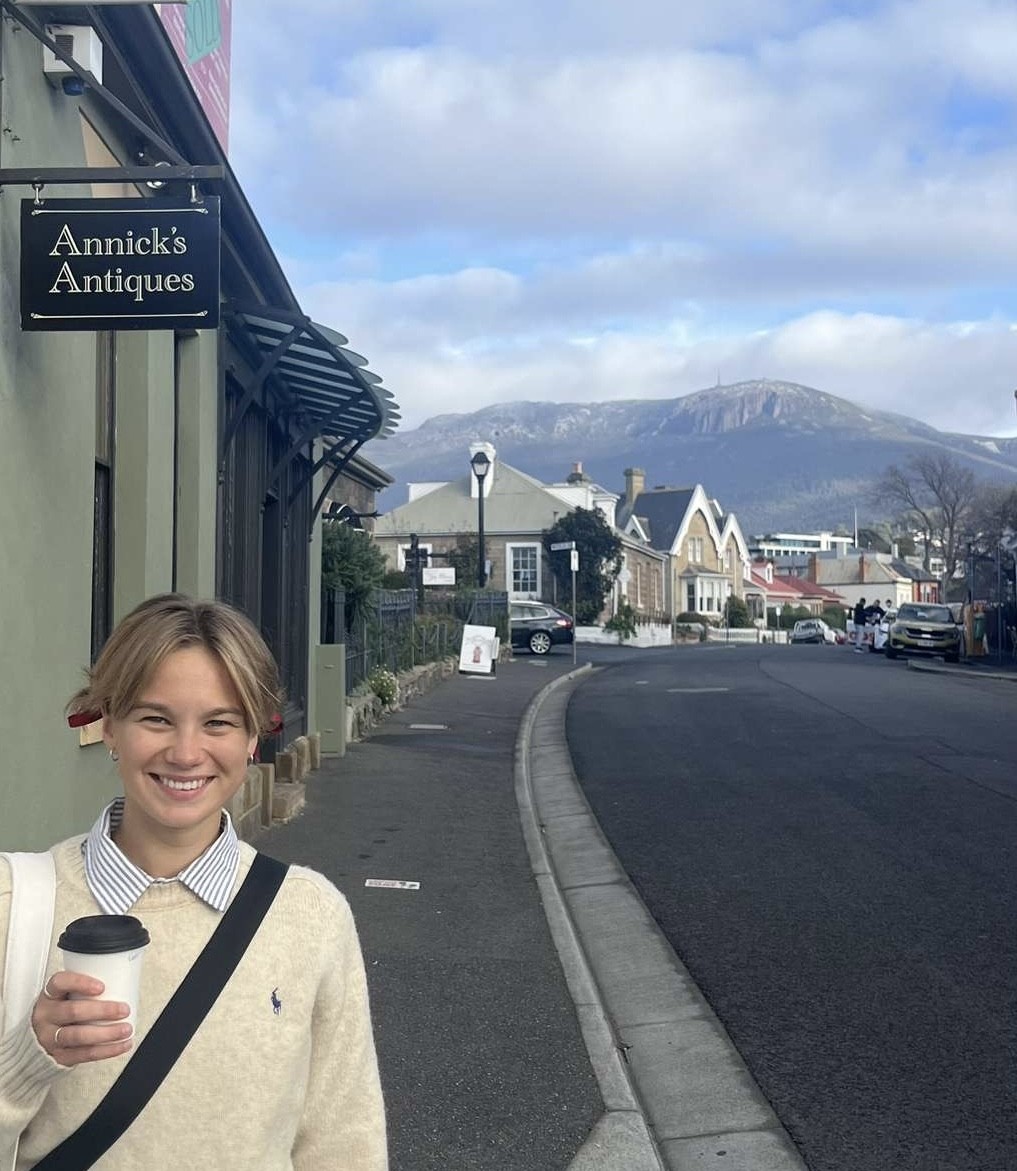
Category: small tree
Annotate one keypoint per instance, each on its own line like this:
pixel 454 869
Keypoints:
pixel 599 560
pixel 464 557
pixel 738 613
pixel 352 562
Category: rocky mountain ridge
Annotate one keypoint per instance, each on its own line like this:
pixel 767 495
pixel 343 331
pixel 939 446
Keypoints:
pixel 778 454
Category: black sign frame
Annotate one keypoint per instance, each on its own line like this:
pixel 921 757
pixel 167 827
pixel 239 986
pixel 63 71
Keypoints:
pixel 97 264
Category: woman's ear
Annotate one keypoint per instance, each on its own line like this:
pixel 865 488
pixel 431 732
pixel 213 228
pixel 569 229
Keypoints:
pixel 107 733
pixel 252 747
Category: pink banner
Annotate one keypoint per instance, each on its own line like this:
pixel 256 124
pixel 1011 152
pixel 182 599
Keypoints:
pixel 200 32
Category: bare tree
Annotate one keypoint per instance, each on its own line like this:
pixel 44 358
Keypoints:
pixel 937 492
pixel 905 491
pixel 993 519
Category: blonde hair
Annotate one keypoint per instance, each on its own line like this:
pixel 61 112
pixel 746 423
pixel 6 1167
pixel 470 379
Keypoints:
pixel 171 622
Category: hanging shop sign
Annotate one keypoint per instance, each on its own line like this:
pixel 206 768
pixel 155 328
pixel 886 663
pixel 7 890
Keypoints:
pixel 93 264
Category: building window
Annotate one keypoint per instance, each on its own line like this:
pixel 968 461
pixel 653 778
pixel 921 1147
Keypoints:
pixel 690 598
pixel 102 514
pixel 424 546
pixel 696 550
pixel 522 568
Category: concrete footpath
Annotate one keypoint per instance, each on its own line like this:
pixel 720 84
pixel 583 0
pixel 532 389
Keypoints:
pixel 529 1016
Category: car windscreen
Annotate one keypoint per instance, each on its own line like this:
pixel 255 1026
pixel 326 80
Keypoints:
pixel 924 614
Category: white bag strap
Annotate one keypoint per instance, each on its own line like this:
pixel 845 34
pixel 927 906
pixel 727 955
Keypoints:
pixel 29 930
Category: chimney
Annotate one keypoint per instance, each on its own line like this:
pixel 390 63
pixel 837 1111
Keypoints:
pixel 861 568
pixel 635 482
pixel 577 475
pixel 813 573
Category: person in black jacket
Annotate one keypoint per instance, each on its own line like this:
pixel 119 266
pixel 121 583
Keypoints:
pixel 859 619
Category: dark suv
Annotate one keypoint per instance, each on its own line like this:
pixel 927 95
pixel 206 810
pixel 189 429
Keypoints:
pixel 539 626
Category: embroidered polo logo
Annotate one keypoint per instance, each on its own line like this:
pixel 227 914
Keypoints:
pixel 276 1002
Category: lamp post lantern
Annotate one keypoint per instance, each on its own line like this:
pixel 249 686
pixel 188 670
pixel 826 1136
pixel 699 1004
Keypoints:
pixel 481 465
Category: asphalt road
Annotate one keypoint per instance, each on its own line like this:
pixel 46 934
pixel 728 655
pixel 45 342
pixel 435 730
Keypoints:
pixel 829 841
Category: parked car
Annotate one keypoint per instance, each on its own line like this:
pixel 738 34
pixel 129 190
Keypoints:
pixel 881 633
pixel 813 630
pixel 539 627
pixel 924 629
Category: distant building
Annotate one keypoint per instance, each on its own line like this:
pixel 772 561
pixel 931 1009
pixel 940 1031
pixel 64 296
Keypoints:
pixel 775 545
pixel 517 510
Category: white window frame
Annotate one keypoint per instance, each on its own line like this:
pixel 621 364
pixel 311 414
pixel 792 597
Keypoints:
pixel 510 548
pixel 404 549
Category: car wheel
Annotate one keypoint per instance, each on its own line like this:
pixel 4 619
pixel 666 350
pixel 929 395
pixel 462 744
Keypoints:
pixel 540 643
pixel 951 658
pixel 890 652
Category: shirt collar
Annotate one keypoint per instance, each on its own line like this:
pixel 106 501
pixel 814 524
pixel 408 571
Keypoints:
pixel 117 883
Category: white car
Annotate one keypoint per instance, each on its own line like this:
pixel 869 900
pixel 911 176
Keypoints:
pixel 813 630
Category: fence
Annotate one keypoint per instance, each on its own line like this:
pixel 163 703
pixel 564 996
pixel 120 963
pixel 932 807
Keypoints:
pixel 391 630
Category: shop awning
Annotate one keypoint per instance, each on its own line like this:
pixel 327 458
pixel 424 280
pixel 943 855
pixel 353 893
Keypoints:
pixel 326 387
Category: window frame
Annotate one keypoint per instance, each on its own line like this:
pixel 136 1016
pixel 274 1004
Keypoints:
pixel 510 550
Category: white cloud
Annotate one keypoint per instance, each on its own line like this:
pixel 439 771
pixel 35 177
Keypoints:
pixel 593 199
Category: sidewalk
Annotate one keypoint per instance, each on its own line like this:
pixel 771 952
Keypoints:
pixel 482 1060
pixel 982 667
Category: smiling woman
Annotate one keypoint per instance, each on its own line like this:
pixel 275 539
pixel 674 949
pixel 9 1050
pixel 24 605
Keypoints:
pixel 185 689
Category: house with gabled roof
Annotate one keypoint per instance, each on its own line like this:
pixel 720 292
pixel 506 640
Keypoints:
pixel 770 589
pixel 518 509
pixel 708 557
pixel 871 576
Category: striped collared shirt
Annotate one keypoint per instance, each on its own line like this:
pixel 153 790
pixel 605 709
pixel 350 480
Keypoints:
pixel 117 883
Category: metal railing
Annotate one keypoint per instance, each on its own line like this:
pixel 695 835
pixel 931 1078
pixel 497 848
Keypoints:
pixel 393 631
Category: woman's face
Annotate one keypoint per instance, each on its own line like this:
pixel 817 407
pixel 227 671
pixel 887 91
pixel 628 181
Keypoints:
pixel 183 750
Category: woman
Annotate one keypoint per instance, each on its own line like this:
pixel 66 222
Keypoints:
pixel 282 1072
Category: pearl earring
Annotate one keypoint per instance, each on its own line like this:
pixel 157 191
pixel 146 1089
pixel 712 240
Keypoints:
pixel 113 755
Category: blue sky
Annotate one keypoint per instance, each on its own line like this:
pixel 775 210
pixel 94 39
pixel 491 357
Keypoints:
pixel 572 200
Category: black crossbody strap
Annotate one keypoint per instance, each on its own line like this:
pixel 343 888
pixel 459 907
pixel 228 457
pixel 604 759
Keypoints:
pixel 176 1024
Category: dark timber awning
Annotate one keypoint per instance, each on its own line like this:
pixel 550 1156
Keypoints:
pixel 323 388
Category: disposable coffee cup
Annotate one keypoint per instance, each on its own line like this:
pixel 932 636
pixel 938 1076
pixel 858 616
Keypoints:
pixel 109 948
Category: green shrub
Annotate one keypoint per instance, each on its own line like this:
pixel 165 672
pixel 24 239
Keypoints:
pixel 384 685
pixel 738 613
pixel 622 623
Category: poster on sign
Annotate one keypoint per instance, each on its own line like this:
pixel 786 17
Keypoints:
pixel 477 655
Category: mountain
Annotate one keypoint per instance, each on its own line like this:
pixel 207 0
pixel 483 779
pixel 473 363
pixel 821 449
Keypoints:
pixel 780 455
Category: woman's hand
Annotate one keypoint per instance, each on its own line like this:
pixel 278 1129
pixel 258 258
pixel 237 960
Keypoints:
pixel 85 1029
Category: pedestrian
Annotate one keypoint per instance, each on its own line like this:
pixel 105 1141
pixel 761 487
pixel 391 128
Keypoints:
pixel 281 1073
pixel 859 623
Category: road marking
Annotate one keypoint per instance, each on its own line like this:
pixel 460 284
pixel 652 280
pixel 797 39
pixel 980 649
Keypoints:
pixel 642 682
pixel 392 883
pixel 697 690
pixel 430 727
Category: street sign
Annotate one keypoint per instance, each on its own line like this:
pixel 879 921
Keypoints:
pixel 440 576
pixel 574 558
pixel 562 546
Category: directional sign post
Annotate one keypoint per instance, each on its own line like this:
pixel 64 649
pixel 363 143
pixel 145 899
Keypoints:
pixel 570 548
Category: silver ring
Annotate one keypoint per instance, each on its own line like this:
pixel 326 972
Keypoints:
pixel 56 1036
pixel 49 995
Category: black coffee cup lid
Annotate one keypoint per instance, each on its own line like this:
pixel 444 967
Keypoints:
pixel 103 935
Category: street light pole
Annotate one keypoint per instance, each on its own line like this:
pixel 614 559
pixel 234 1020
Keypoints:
pixel 481 465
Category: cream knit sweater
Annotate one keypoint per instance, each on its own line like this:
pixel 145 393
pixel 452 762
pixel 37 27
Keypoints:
pixel 255 1088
